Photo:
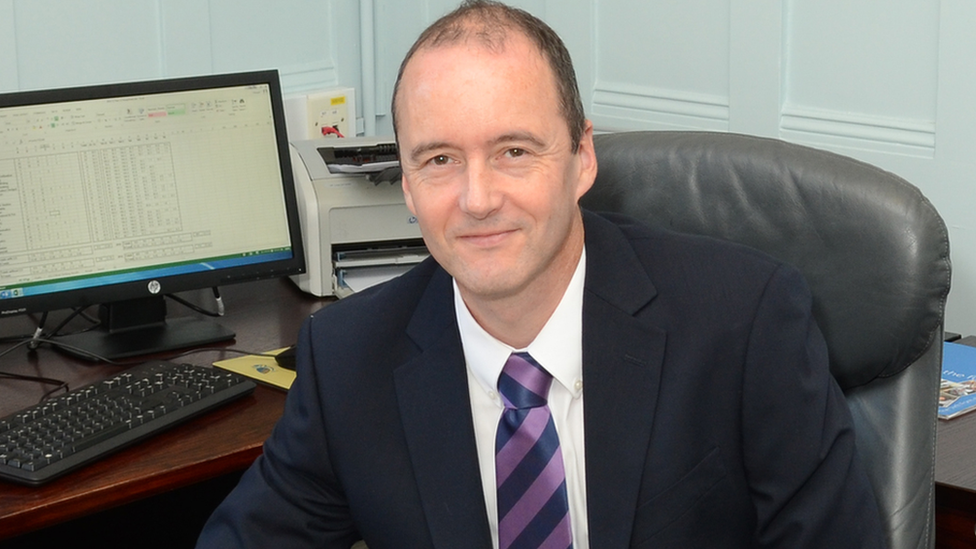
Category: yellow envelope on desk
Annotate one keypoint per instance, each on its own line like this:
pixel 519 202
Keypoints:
pixel 260 368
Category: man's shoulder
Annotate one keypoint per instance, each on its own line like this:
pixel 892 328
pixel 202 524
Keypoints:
pixel 657 244
pixel 690 272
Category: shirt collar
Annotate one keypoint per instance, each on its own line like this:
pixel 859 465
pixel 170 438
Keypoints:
pixel 558 347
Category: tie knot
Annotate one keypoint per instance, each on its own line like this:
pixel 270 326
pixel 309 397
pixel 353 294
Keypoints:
pixel 523 383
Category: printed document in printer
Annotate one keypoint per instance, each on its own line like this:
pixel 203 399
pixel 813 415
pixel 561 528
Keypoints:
pixel 357 231
pixel 359 158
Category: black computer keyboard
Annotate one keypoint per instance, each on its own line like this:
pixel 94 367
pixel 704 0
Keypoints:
pixel 66 432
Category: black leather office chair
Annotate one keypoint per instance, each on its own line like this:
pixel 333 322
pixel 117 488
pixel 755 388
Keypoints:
pixel 873 249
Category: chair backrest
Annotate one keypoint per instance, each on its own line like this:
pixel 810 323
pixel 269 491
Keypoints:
pixel 873 250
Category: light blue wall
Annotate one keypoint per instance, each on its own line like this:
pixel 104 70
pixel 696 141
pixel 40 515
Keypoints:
pixel 55 43
pixel 314 44
pixel 890 82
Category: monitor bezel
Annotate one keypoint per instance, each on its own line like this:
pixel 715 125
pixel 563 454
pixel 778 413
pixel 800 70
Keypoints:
pixel 123 291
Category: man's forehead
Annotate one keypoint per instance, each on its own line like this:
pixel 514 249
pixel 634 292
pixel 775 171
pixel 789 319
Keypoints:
pixel 451 67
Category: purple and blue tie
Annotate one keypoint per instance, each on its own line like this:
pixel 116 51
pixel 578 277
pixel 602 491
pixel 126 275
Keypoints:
pixel 533 507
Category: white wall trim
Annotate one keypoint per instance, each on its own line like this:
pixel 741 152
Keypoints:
pixel 871 132
pixel 622 106
pixel 663 101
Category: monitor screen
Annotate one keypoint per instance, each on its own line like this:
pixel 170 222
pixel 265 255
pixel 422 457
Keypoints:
pixel 120 194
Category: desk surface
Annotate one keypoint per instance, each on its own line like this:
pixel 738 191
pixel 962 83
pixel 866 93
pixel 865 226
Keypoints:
pixel 955 455
pixel 265 315
pixel 955 483
pixel 954 464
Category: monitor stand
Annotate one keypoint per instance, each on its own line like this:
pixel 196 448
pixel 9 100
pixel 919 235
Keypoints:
pixel 140 327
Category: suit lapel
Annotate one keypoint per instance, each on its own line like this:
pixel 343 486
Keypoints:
pixel 440 433
pixel 622 359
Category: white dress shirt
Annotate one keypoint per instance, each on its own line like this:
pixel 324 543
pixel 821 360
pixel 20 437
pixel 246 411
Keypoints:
pixel 559 349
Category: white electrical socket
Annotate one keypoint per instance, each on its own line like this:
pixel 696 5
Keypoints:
pixel 331 113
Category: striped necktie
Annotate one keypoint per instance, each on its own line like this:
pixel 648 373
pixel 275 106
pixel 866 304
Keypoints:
pixel 533 508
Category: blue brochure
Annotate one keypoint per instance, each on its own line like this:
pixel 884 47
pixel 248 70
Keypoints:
pixel 958 393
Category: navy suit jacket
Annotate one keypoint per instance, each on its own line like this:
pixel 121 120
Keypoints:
pixel 710 417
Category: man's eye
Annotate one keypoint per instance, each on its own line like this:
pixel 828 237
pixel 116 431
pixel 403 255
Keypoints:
pixel 440 160
pixel 516 152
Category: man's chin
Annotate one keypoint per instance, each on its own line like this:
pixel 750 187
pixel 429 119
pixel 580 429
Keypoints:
pixel 495 284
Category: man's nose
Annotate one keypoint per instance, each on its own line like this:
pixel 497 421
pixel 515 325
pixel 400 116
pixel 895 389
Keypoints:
pixel 480 196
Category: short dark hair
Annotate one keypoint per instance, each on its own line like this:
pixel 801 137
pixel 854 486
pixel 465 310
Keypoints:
pixel 490 22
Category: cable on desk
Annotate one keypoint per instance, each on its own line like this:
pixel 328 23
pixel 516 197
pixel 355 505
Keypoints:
pixel 33 344
pixel 197 308
pixel 219 300
pixel 77 350
pixel 34 340
pixel 220 349
pixel 63 385
pixel 75 312
pixel 39 336
pixel 36 379
pixel 21 337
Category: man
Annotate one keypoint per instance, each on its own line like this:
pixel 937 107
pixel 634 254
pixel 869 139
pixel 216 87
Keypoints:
pixel 691 401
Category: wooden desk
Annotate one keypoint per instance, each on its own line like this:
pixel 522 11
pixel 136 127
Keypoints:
pixel 265 315
pixel 955 483
pixel 955 479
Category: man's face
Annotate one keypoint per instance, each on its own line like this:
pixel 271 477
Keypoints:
pixel 488 167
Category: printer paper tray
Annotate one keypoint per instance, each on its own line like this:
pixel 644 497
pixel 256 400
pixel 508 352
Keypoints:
pixel 356 270
pixel 374 257
pixel 350 281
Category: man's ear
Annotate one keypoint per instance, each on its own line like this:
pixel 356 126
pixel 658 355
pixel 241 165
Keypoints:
pixel 587 161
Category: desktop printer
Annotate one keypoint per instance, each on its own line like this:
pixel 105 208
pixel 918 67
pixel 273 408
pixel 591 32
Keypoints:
pixel 356 227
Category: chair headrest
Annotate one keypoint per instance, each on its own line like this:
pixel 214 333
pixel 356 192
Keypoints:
pixel 873 249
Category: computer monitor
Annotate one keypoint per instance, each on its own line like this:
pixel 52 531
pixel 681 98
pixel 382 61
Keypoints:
pixel 119 194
